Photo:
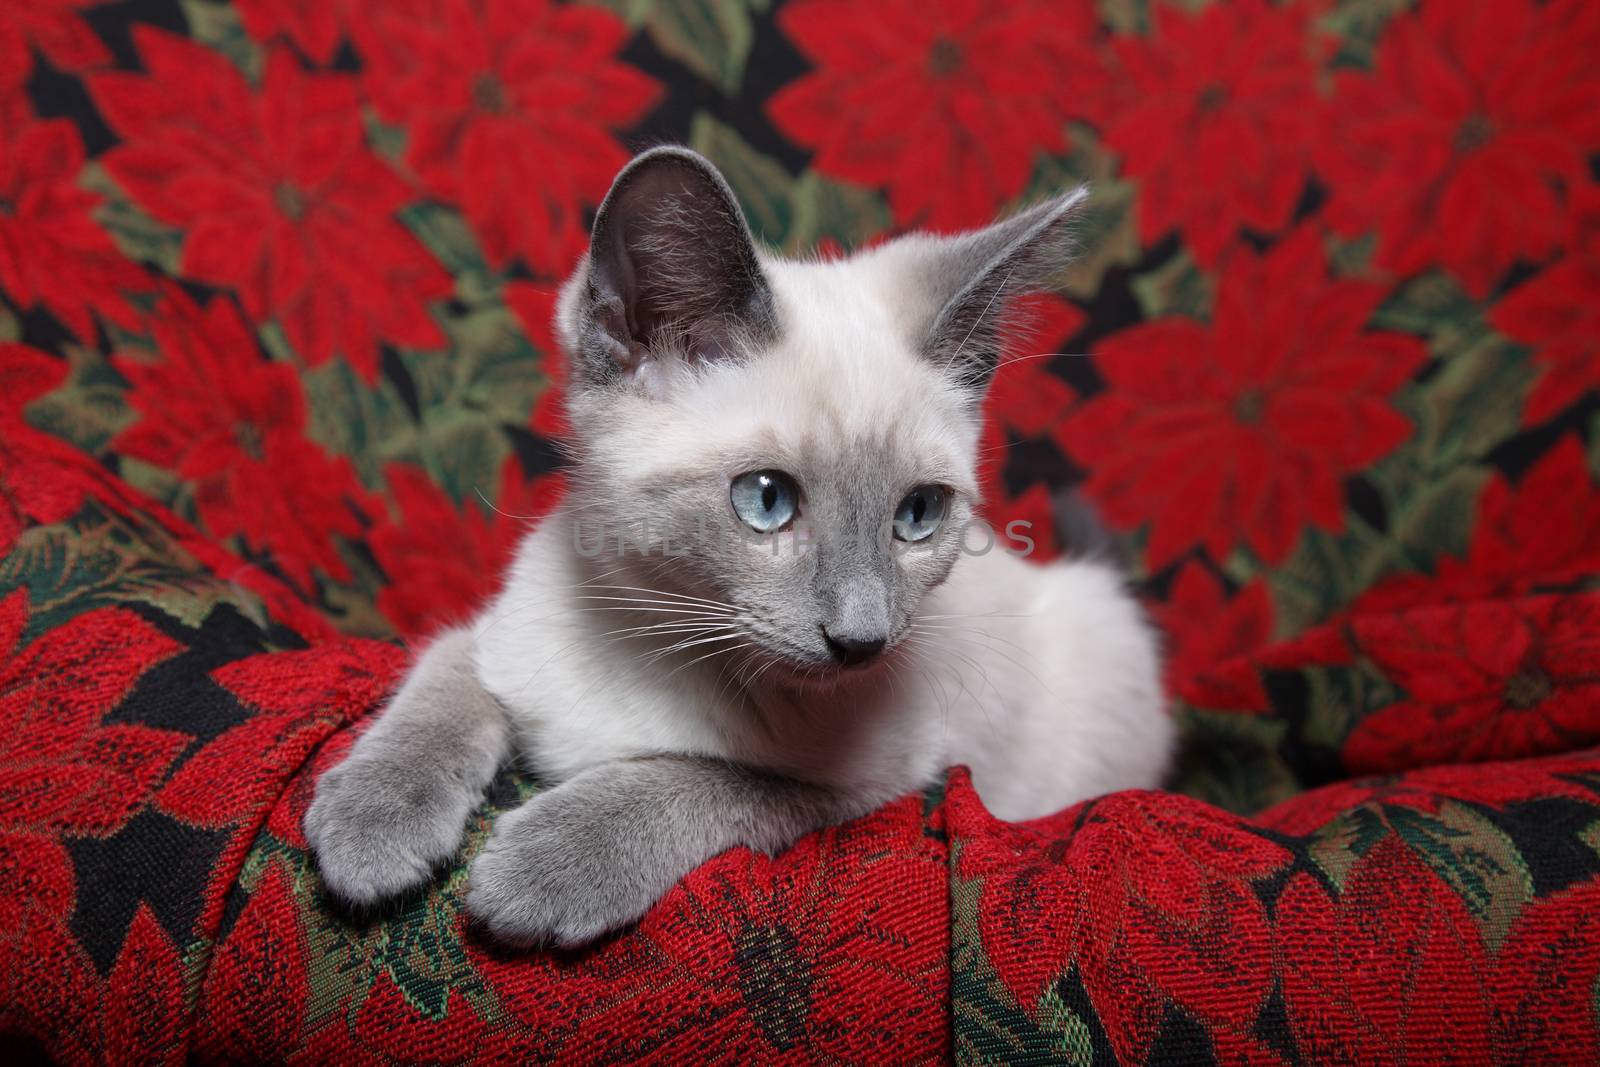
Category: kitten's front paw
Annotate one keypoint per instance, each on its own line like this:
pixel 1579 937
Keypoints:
pixel 378 833
pixel 557 871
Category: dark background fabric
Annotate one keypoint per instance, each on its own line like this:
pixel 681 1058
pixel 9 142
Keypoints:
pixel 277 386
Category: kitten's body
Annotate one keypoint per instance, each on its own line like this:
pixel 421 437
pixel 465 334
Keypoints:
pixel 1041 679
pixel 681 687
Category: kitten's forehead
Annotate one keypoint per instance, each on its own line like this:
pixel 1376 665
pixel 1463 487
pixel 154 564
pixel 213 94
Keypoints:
pixel 842 382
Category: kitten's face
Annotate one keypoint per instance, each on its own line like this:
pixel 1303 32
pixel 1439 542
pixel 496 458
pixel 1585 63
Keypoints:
pixel 779 475
pixel 793 441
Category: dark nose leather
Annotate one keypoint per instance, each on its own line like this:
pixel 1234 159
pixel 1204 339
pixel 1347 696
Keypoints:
pixel 850 651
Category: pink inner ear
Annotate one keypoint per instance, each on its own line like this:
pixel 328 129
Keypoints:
pixel 652 377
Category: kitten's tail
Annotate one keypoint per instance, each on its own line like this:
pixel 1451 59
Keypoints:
pixel 1080 531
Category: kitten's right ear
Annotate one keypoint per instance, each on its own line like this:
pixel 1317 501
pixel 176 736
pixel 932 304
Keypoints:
pixel 672 272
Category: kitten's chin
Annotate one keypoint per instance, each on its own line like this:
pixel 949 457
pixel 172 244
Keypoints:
pixel 825 675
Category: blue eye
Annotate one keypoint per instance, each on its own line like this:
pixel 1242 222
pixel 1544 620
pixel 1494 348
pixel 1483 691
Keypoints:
pixel 766 500
pixel 920 513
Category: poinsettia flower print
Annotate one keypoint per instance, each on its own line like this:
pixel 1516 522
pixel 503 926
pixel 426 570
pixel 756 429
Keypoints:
pixel 65 769
pixel 315 26
pixel 1429 789
pixel 278 195
pixel 219 415
pixel 1394 961
pixel 946 103
pixel 443 561
pixel 1025 396
pixel 1542 530
pixel 787 948
pixel 32 491
pixel 1210 638
pixel 1457 146
pixel 825 954
pixel 144 1001
pixel 1214 114
pixel 52 252
pixel 1546 529
pixel 1241 431
pixel 512 109
pixel 1558 313
pixel 56 29
pixel 262 961
pixel 1026 403
pixel 48 983
pixel 298 698
pixel 1134 892
pixel 1496 679
pixel 1545 979
pixel 26 373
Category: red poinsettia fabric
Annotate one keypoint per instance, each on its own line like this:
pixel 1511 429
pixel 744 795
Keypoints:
pixel 895 102
pixel 277 378
pixel 1461 138
pixel 167 727
pixel 52 254
pixel 166 731
pixel 1243 431
pixel 1215 114
pixel 131 786
pixel 1390 922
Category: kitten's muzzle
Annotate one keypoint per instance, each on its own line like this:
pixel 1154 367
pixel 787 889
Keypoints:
pixel 853 651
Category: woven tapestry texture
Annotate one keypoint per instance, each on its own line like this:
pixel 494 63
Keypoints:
pixel 278 396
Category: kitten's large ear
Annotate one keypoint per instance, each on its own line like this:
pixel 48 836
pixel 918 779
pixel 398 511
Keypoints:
pixel 972 276
pixel 671 269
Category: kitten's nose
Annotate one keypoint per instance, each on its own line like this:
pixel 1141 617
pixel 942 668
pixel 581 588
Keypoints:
pixel 850 651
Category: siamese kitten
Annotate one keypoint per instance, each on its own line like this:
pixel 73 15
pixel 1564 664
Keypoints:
pixel 765 605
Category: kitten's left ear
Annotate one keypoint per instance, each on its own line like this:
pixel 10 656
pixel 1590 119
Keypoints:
pixel 972 276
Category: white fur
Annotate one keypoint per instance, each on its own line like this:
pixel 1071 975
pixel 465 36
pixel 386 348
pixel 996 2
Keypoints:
pixel 1043 679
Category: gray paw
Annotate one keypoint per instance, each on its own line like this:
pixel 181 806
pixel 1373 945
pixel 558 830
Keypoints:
pixel 562 870
pixel 378 833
